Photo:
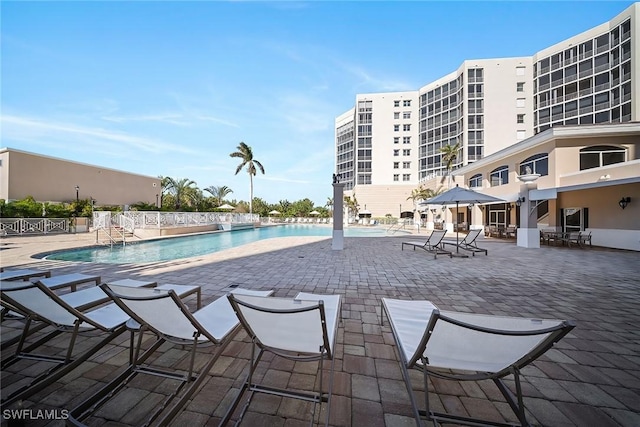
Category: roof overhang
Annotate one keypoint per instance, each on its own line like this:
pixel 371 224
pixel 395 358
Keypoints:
pixel 552 193
pixel 557 132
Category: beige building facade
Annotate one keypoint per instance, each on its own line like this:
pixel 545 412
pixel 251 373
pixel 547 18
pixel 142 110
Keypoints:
pixel 485 106
pixel 589 181
pixel 49 179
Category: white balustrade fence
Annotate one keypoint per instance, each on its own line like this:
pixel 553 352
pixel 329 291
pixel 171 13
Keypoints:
pixel 128 221
pixel 20 226
pixel 153 219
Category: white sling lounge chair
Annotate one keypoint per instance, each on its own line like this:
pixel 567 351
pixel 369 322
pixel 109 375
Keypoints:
pixel 468 243
pixel 433 244
pixel 39 303
pixel 163 313
pixel 465 346
pixel 300 329
pixel 23 274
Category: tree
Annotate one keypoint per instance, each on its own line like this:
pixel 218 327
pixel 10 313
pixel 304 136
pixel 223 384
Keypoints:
pixel 218 193
pixel 182 190
pixel 449 156
pixel 245 153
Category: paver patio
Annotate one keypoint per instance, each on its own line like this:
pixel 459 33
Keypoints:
pixel 591 378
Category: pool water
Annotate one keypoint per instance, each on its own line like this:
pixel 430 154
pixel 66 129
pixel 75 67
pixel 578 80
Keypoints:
pixel 190 246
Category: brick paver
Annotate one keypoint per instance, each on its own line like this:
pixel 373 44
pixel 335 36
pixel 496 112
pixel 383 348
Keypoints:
pixel 592 377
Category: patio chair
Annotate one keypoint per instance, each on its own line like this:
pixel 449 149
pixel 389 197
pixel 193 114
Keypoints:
pixel 302 329
pixel 39 303
pixel 71 280
pixel 468 243
pixel 165 314
pixel 23 274
pixel 433 244
pixel 467 347
pixel 583 239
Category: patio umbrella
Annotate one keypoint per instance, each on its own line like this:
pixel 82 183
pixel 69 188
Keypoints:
pixel 460 195
pixel 274 212
pixel 226 207
pixel 365 213
pixel 314 213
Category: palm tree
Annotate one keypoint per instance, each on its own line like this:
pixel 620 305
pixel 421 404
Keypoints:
pixel 182 190
pixel 450 155
pixel 218 193
pixel 246 154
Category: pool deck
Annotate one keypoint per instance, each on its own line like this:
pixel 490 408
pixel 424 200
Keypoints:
pixel 590 378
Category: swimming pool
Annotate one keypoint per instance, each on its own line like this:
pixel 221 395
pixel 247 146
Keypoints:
pixel 189 246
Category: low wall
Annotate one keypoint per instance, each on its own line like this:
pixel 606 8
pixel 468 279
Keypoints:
pixel 174 231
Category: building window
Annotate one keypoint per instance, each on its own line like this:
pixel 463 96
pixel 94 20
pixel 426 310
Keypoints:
pixel 396 128
pixel 396 165
pixel 396 177
pixel 475 181
pixel 406 177
pixel 520 87
pixel 520 71
pixel 396 103
pixel 396 152
pixel 538 163
pixel 520 135
pixel 406 140
pixel 406 127
pixel 601 155
pixel 396 115
pixel 520 118
pixel 406 152
pixel 406 103
pixel 499 176
pixel 406 165
pixel 396 139
pixel 406 115
pixel 520 102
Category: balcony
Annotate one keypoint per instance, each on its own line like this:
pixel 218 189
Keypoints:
pixel 626 35
pixel 585 73
pixel 600 68
pixel 544 87
pixel 586 91
pixel 587 54
pixel 571 113
pixel 585 110
pixel 602 106
pixel 603 86
pixel 570 78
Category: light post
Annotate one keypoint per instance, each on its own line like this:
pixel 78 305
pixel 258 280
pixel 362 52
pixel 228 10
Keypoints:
pixel 157 196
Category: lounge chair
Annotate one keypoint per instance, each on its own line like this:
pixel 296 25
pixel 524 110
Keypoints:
pixel 467 347
pixel 71 280
pixel 39 303
pixel 468 243
pixel 23 274
pixel 302 329
pixel 164 314
pixel 66 314
pixel 433 244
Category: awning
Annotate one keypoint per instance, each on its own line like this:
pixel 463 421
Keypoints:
pixel 543 194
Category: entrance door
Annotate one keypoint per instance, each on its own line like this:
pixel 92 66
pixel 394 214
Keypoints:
pixel 498 218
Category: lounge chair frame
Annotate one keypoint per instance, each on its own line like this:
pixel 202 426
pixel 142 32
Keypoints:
pixel 258 348
pixel 433 244
pixel 421 362
pixel 469 243
pixel 62 365
pixel 190 381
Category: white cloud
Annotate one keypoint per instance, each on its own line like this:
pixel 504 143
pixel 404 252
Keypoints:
pixel 37 130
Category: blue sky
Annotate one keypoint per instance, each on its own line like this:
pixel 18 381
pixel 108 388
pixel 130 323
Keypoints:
pixel 171 88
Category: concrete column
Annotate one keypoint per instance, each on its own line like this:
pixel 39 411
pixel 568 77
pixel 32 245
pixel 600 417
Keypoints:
pixel 528 233
pixel 337 243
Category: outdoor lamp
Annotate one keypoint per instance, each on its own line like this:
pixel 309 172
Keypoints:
pixel 624 202
pixel 520 201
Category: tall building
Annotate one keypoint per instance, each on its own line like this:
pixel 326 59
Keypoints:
pixel 390 143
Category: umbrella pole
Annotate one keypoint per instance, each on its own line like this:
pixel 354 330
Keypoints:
pixel 457 230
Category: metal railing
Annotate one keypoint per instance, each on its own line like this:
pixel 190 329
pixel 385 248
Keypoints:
pixel 24 226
